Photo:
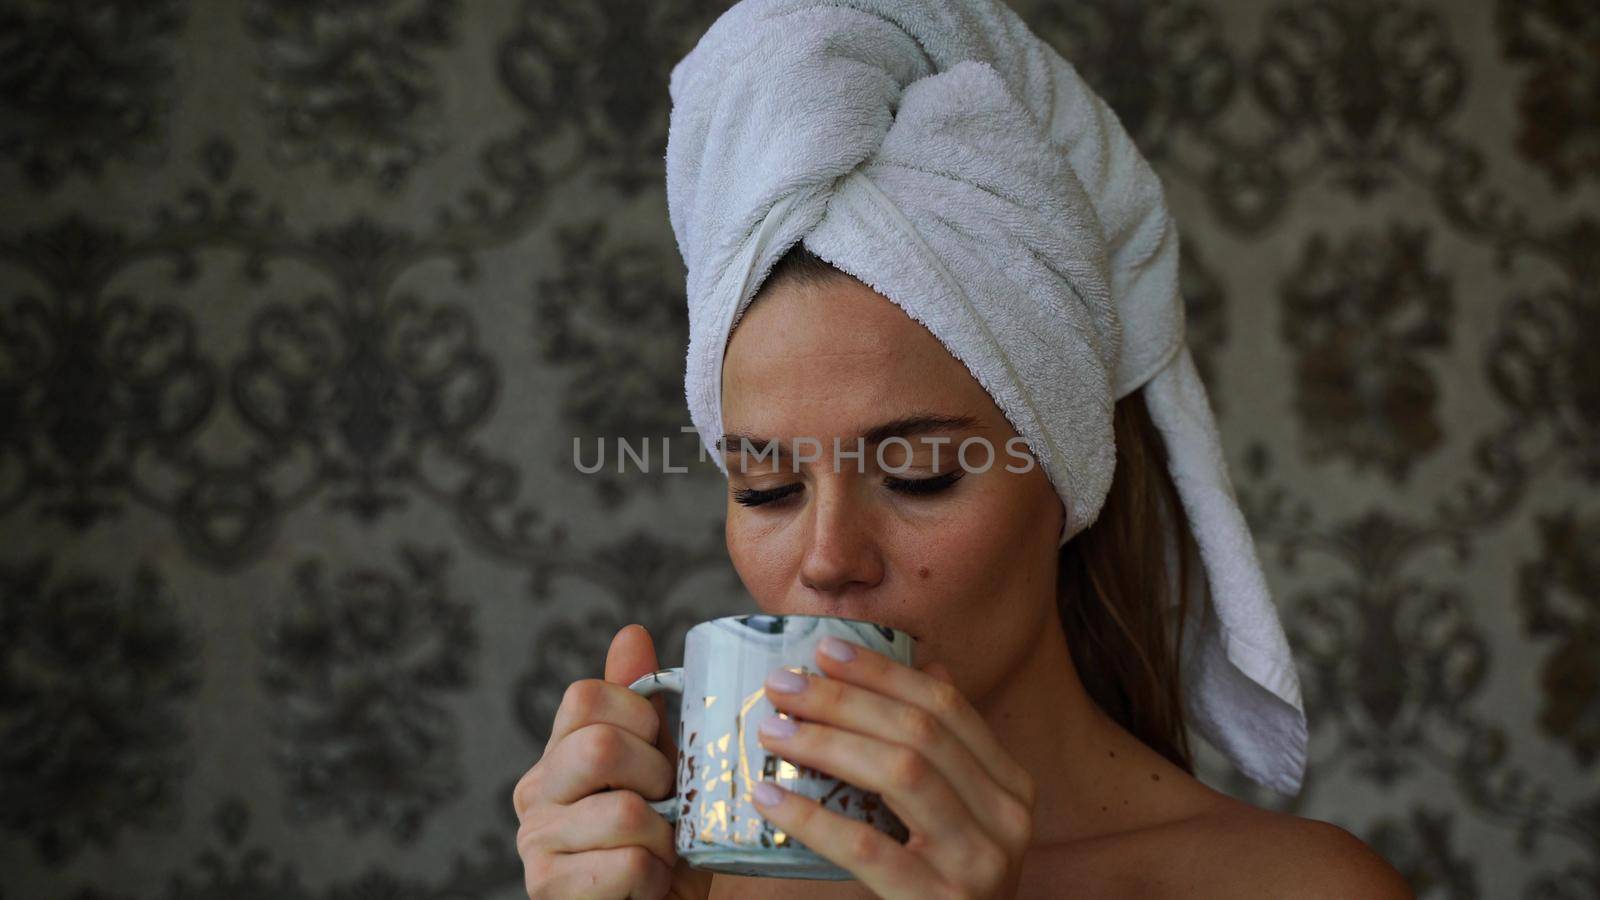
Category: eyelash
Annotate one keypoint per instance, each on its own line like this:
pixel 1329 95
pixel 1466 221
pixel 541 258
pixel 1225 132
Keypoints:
pixel 916 487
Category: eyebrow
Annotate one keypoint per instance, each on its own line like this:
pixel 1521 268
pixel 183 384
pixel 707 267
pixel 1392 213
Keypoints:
pixel 905 426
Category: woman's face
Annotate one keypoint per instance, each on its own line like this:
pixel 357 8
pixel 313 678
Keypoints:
pixel 964 562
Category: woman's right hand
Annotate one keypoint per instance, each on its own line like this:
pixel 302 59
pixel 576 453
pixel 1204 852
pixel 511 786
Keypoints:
pixel 586 828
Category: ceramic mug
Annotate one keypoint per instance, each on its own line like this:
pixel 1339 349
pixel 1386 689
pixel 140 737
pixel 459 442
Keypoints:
pixel 720 758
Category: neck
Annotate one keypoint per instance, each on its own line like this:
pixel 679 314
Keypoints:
pixel 1093 777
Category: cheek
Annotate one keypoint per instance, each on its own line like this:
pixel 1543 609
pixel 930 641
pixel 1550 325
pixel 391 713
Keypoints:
pixel 957 569
pixel 961 578
pixel 981 539
pixel 759 555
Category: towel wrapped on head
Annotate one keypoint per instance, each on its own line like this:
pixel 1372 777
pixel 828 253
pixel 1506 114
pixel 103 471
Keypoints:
pixel 942 154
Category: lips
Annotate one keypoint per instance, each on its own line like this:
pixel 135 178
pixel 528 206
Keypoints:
pixel 845 614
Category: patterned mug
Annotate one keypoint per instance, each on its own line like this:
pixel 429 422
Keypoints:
pixel 722 699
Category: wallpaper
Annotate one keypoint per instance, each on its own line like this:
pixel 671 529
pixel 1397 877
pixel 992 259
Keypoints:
pixel 303 304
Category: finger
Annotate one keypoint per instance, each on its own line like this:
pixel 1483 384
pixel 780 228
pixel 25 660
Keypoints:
pixel 896 723
pixel 602 757
pixel 632 654
pixel 900 724
pixel 885 866
pixel 618 818
pixel 618 872
pixel 876 672
pixel 911 785
pixel 591 700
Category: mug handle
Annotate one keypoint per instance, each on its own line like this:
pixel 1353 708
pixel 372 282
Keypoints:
pixel 670 680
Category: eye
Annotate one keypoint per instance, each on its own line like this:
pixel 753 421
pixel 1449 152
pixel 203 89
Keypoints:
pixel 923 486
pixel 756 497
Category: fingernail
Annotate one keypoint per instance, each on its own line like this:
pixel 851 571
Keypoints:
pixel 767 794
pixel 774 727
pixel 786 682
pixel 837 649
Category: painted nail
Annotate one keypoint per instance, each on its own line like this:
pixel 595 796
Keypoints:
pixel 785 682
pixel 767 794
pixel 774 727
pixel 837 649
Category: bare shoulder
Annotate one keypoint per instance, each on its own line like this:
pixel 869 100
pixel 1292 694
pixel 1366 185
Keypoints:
pixel 1227 849
pixel 1246 851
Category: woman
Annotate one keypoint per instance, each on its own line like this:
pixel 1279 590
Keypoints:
pixel 1000 269
pixel 967 562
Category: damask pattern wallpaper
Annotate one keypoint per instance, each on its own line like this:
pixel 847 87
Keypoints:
pixel 303 304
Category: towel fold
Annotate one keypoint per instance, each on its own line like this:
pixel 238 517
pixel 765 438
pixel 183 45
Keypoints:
pixel 942 154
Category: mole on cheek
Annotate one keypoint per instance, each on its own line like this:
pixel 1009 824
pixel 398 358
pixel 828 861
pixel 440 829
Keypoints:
pixel 922 572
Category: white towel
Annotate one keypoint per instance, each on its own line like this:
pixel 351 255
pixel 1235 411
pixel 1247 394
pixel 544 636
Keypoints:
pixel 941 153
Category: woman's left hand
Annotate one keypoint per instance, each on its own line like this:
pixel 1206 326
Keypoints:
pixel 910 736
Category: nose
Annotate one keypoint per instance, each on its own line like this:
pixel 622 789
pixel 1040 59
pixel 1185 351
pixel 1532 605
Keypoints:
pixel 842 552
